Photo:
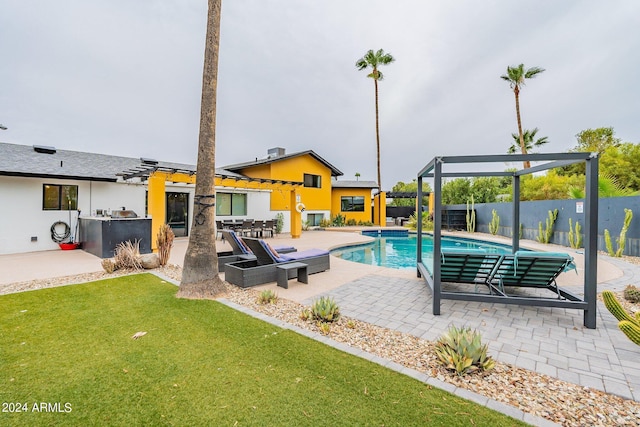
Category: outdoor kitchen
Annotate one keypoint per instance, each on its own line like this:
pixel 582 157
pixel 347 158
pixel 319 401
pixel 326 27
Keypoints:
pixel 101 232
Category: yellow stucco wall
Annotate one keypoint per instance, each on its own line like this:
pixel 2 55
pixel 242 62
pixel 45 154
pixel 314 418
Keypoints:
pixel 293 169
pixel 338 193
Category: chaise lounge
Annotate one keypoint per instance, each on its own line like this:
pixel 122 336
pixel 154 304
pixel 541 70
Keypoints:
pixel 524 269
pixel 240 251
pixel 263 269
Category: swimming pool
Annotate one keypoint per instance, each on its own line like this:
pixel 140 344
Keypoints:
pixel 400 251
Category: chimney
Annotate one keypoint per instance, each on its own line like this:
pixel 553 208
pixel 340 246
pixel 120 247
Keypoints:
pixel 275 152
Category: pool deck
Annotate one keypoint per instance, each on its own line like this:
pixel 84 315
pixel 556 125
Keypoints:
pixel 550 341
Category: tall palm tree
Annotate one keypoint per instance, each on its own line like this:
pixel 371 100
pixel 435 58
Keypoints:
pixel 374 59
pixel 530 141
pixel 200 276
pixel 516 77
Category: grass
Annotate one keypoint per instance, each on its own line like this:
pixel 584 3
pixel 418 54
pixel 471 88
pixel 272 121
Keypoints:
pixel 200 363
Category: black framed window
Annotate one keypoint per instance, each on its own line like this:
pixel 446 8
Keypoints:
pixel 59 197
pixel 313 181
pixel 352 204
pixel 231 204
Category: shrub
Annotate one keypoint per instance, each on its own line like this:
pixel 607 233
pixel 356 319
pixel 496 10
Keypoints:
pixel 127 255
pixel 305 314
pixel 279 222
pixel 109 265
pixel 325 328
pixel 325 309
pixel 427 221
pixel 267 297
pixel 461 350
pixel 165 243
pixel 338 220
pixel 324 223
pixel 351 222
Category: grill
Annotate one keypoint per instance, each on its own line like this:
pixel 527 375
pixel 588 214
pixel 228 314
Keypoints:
pixel 123 214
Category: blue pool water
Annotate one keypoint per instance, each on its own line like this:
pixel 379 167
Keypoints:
pixel 400 252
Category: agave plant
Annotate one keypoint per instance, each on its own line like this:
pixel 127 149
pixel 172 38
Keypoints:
pixel 325 309
pixel 461 350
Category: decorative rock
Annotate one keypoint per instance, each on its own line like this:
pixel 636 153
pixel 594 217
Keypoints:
pixel 150 261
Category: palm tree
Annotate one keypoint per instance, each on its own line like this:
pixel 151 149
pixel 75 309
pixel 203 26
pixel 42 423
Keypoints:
pixel 516 77
pixel 530 141
pixel 374 59
pixel 200 276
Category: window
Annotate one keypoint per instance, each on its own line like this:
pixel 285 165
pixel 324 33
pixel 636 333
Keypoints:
pixel 312 180
pixel 352 204
pixel 59 197
pixel 231 204
pixel 314 219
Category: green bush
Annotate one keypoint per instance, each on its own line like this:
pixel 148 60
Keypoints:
pixel 461 350
pixel 427 222
pixel 338 220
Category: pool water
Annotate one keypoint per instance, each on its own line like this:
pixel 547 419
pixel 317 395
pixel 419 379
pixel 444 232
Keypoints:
pixel 400 252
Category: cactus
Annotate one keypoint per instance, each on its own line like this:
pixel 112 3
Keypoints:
pixel 622 240
pixel 631 330
pixel 544 236
pixel 628 324
pixel 632 294
pixel 471 217
pixel 494 225
pixel 575 238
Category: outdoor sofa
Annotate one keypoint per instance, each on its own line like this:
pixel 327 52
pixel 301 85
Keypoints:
pixel 263 269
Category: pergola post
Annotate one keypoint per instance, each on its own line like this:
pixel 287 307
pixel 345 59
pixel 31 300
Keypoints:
pixel 591 242
pixel 515 205
pixel 156 205
pixel 437 234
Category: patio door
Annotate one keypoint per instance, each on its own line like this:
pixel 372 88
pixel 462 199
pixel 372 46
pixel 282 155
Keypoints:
pixel 178 213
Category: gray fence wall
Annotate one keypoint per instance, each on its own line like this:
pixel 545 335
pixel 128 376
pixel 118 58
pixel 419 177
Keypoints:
pixel 610 217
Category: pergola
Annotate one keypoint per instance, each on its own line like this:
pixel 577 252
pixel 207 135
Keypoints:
pixel 157 177
pixel 435 169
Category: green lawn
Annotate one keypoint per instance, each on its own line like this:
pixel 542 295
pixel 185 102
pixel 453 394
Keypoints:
pixel 201 363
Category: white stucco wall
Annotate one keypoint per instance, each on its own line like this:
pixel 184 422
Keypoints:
pixel 22 216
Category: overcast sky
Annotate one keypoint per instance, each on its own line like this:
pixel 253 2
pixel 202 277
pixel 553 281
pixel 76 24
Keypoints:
pixel 124 77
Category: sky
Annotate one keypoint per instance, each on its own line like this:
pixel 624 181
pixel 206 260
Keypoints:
pixel 124 77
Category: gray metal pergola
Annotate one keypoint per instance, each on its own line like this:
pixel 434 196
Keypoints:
pixel 434 169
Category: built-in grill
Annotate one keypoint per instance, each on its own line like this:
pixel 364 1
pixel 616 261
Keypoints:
pixel 123 214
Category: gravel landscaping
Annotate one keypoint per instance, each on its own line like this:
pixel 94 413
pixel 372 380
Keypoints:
pixel 558 401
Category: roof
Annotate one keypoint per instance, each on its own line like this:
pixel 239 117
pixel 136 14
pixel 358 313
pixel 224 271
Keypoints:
pixel 239 166
pixel 24 160
pixel 353 184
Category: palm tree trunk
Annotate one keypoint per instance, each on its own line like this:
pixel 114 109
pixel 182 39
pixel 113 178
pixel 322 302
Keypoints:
pixel 200 276
pixel 526 164
pixel 375 81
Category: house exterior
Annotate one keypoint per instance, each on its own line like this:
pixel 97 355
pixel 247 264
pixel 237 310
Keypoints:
pixel 352 200
pixel 322 194
pixel 44 185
